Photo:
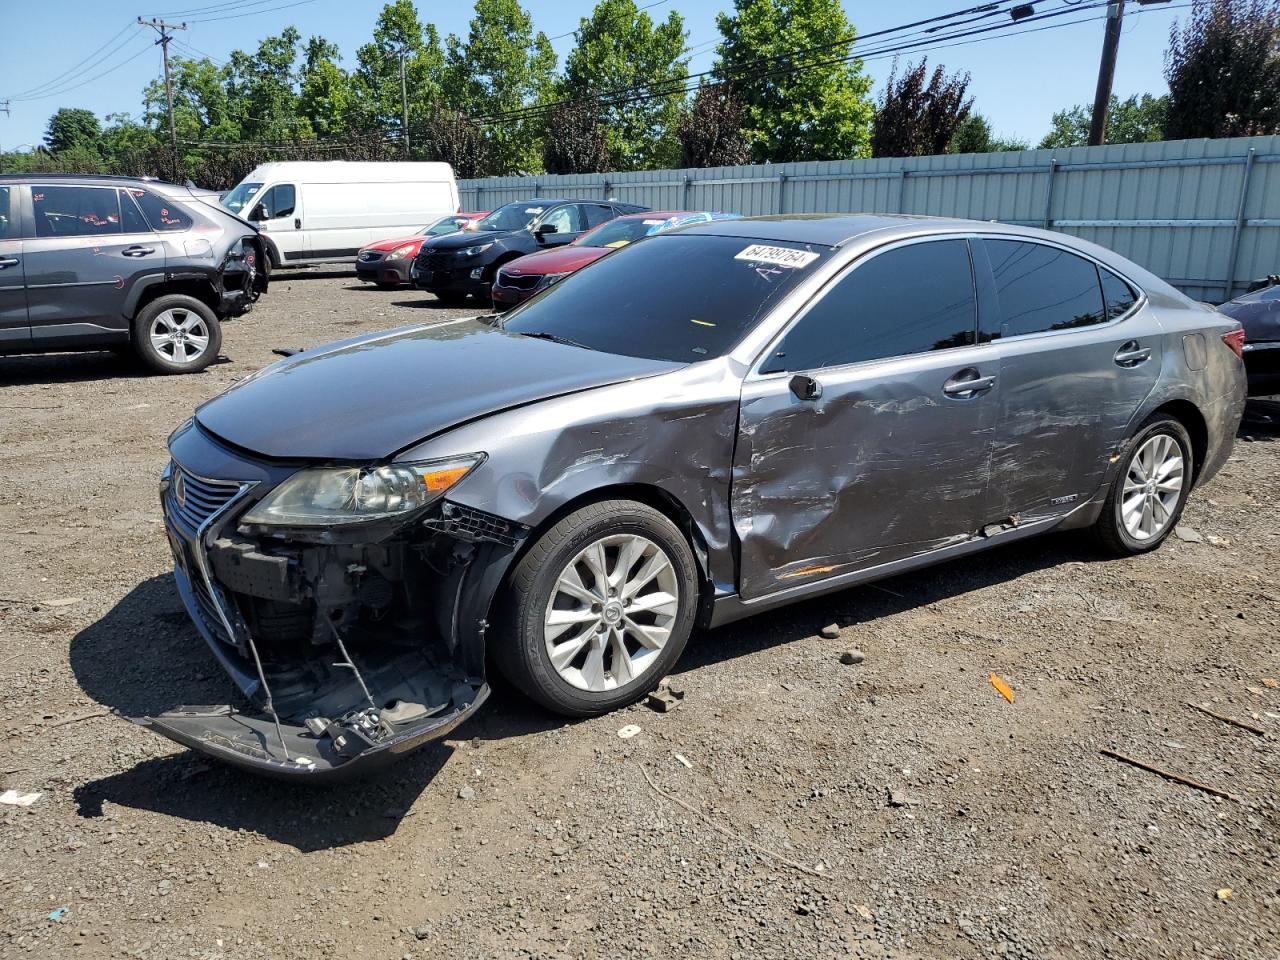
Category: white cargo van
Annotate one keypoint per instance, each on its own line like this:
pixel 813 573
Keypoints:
pixel 323 211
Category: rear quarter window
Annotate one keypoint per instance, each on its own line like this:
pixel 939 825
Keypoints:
pixel 1043 288
pixel 162 214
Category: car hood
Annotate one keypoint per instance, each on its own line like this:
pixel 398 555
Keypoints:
pixel 470 238
pixel 392 244
pixel 368 398
pixel 562 260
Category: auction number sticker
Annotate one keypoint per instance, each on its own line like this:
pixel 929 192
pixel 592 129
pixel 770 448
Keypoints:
pixel 778 256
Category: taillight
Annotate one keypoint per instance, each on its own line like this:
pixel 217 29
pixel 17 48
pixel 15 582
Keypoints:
pixel 1235 340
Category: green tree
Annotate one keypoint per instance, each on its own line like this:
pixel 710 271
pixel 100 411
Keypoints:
pixel 1223 68
pixel 619 47
pixel 710 130
pixel 451 137
pixel 262 92
pixel 1136 119
pixel 502 66
pixel 376 82
pixel 202 108
pixel 974 136
pixel 916 116
pixel 71 127
pixel 798 106
pixel 325 95
pixel 576 140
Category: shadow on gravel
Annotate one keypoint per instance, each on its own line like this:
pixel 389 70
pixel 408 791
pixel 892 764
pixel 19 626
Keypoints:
pixel 39 368
pixel 144 657
pixel 428 301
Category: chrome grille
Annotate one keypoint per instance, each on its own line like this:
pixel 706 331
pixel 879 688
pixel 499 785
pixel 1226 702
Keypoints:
pixel 437 261
pixel 194 500
pixel 527 282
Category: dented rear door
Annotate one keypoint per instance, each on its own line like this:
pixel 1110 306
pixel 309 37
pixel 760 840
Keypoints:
pixel 841 466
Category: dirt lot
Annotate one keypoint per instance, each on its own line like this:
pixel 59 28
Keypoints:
pixel 893 808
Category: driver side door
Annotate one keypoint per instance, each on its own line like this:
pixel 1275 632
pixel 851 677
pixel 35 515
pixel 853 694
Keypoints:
pixel 567 220
pixel 865 433
pixel 279 215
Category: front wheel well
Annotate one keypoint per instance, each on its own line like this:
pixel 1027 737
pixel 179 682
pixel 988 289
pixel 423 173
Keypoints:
pixel 1189 415
pixel 650 496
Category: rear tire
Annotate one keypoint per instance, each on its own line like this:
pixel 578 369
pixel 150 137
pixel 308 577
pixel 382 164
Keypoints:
pixel 176 334
pixel 1150 489
pixel 583 645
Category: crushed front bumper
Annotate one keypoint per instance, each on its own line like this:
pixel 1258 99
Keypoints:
pixel 349 654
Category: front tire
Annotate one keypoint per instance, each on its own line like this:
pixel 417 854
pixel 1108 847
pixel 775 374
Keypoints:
pixel 1150 490
pixel 451 298
pixel 176 334
pixel 599 609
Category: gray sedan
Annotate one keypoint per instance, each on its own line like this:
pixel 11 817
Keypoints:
pixel 709 423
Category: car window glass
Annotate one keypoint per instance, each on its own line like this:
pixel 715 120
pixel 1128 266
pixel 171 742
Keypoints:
pixel 596 214
pixel 682 297
pixel 130 216
pixel 445 226
pixel 7 227
pixel 75 211
pixel 1118 295
pixel 564 219
pixel 162 214
pixel 512 216
pixel 240 200
pixel 280 201
pixel 1043 288
pixel 909 300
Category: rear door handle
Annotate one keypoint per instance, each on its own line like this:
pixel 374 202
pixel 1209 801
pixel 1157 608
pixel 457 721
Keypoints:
pixel 1131 354
pixel 136 251
pixel 8 262
pixel 968 383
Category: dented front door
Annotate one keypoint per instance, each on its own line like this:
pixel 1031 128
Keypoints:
pixel 866 436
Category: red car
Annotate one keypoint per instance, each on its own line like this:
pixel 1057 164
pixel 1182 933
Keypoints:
pixel 520 279
pixel 387 262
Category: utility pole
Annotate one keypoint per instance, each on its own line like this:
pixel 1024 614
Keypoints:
pixel 163 29
pixel 404 102
pixel 1106 73
pixel 5 107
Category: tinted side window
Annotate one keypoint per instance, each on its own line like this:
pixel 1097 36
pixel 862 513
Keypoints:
pixel 1043 288
pixel 130 216
pixel 564 219
pixel 161 213
pixel 1118 295
pixel 76 211
pixel 913 299
pixel 597 213
pixel 279 201
pixel 8 221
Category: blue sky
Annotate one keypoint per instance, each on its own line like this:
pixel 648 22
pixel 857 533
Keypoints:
pixel 1018 81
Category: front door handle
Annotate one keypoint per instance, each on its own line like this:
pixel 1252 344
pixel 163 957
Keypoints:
pixel 8 262
pixel 136 251
pixel 968 383
pixel 1131 354
pixel 297 223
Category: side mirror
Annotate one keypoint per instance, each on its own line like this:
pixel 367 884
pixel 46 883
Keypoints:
pixel 546 228
pixel 805 387
pixel 259 212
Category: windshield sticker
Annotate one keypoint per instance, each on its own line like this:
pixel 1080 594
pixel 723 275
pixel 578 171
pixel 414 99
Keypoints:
pixel 534 210
pixel 780 256
pixel 651 223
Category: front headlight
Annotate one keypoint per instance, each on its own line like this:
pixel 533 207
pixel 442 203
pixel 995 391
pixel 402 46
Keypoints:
pixel 549 278
pixel 400 252
pixel 332 496
pixel 478 249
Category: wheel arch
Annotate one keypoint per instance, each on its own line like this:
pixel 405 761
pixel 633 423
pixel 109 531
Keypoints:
pixel 194 287
pixel 1193 421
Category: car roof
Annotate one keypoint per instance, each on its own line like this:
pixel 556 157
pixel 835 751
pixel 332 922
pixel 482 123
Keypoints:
pixel 652 214
pixel 111 178
pixel 828 229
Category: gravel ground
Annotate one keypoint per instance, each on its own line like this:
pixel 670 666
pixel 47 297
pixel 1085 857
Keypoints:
pixel 792 806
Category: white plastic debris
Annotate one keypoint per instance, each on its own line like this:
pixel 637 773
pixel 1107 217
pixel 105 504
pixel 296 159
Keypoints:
pixel 684 760
pixel 629 731
pixel 15 799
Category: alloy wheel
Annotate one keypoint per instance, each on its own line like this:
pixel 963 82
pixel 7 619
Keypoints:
pixel 1152 487
pixel 179 335
pixel 611 612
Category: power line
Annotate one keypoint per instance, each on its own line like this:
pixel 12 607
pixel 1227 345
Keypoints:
pixel 252 13
pixel 94 59
pixel 569 33
pixel 88 80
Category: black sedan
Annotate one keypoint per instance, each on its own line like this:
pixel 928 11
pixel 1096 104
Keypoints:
pixel 456 266
pixel 1259 313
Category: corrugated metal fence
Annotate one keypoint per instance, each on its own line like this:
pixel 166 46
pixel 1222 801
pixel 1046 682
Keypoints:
pixel 1203 214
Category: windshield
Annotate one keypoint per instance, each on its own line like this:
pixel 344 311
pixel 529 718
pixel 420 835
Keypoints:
pixel 443 226
pixel 618 233
pixel 240 197
pixel 514 216
pixel 675 296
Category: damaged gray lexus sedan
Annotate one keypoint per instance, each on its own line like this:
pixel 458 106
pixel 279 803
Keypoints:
pixel 709 423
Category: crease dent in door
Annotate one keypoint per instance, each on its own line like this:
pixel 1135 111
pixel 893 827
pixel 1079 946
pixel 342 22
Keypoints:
pixel 786 496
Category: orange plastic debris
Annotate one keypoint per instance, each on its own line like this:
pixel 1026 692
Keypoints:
pixel 1268 682
pixel 1002 688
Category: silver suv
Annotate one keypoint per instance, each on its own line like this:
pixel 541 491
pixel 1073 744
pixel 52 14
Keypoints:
pixel 91 263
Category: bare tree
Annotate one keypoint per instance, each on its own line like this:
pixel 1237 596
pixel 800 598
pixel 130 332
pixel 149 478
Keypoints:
pixel 710 130
pixel 918 116
pixel 1223 68
pixel 575 140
